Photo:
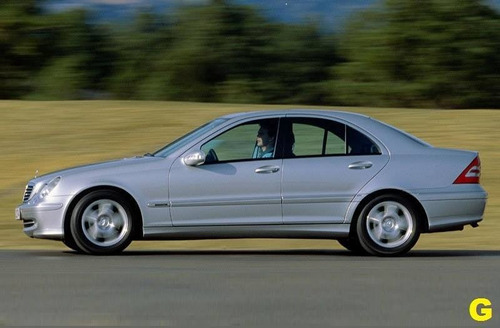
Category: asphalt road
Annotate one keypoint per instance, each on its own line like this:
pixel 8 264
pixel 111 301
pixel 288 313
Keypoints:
pixel 247 289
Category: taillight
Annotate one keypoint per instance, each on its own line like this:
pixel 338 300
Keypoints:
pixel 471 174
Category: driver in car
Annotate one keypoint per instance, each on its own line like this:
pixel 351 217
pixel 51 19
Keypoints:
pixel 266 137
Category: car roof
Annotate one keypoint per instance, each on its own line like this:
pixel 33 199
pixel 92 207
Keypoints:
pixel 391 137
pixel 307 112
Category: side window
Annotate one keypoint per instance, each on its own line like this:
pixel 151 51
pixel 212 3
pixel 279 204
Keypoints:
pixel 308 140
pixel 320 137
pixel 252 140
pixel 316 137
pixel 335 145
pixel 359 144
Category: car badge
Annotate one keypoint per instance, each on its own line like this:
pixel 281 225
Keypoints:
pixel 36 173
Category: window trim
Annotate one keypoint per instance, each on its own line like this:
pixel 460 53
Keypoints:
pixel 289 120
pixel 277 155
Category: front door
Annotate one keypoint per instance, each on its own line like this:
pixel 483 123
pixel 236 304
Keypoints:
pixel 239 183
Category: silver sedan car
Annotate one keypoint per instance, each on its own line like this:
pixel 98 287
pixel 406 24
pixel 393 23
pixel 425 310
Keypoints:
pixel 267 174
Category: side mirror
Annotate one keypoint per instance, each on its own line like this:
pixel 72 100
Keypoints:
pixel 195 159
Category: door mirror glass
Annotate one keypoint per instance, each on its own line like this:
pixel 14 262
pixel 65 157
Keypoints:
pixel 195 159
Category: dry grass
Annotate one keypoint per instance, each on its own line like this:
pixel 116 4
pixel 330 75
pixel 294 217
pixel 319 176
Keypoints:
pixel 48 136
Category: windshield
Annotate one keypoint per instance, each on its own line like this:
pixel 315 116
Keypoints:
pixel 184 140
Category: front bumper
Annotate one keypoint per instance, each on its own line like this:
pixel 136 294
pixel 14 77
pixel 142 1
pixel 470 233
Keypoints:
pixel 42 220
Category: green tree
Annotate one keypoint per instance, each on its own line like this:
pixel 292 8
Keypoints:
pixel 23 39
pixel 78 61
pixel 427 53
pixel 217 51
pixel 140 47
pixel 234 54
pixel 226 44
pixel 297 64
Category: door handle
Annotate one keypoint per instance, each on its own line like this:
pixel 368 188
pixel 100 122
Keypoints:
pixel 267 169
pixel 360 165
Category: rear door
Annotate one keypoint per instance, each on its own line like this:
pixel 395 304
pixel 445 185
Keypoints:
pixel 326 163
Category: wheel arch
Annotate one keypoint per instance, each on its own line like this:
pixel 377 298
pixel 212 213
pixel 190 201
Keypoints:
pixel 422 215
pixel 137 215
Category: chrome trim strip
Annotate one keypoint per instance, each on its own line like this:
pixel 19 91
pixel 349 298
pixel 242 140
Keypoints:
pixel 226 202
pixel 324 199
pixel 256 201
pixel 159 204
pixel 50 206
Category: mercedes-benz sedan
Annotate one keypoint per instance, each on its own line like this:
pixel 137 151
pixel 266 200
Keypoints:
pixel 267 174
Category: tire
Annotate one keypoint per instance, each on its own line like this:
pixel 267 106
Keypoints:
pixel 351 244
pixel 101 223
pixel 70 243
pixel 388 226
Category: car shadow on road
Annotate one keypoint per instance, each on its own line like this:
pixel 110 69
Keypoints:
pixel 453 253
pixel 305 252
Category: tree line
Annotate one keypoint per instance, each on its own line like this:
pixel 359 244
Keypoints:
pixel 398 53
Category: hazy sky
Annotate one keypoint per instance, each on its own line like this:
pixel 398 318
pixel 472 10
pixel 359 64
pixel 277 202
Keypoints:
pixel 330 13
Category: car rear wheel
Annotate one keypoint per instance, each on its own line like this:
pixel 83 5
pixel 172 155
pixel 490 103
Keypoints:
pixel 101 223
pixel 351 244
pixel 388 226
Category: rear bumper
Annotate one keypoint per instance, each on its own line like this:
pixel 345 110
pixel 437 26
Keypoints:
pixel 453 208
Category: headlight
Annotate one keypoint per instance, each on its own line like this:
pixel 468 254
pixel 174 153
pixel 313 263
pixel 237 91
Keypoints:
pixel 49 187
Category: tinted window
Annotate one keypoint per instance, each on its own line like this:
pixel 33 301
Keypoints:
pixel 308 139
pixel 318 137
pixel 253 140
pixel 313 137
pixel 359 144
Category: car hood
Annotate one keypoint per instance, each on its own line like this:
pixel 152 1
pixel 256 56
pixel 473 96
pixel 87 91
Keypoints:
pixel 125 164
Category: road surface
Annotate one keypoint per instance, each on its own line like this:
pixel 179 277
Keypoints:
pixel 302 288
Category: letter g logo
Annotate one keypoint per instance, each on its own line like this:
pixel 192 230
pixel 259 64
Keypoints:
pixel 480 309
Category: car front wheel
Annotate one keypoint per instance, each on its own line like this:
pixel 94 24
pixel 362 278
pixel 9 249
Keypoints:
pixel 101 223
pixel 69 242
pixel 388 226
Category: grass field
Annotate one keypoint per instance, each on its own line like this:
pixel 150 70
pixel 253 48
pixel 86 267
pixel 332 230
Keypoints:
pixel 48 136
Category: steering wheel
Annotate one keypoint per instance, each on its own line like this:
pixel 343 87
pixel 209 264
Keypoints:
pixel 211 157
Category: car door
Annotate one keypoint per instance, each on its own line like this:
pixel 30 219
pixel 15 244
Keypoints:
pixel 233 186
pixel 326 163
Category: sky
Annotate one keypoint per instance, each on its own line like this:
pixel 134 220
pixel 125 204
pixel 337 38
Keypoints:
pixel 330 13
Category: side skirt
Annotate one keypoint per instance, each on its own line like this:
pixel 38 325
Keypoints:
pixel 313 231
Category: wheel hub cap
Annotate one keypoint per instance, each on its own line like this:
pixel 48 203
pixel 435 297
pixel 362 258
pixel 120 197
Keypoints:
pixel 104 222
pixel 389 224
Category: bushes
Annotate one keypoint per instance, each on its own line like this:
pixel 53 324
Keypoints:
pixel 410 53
